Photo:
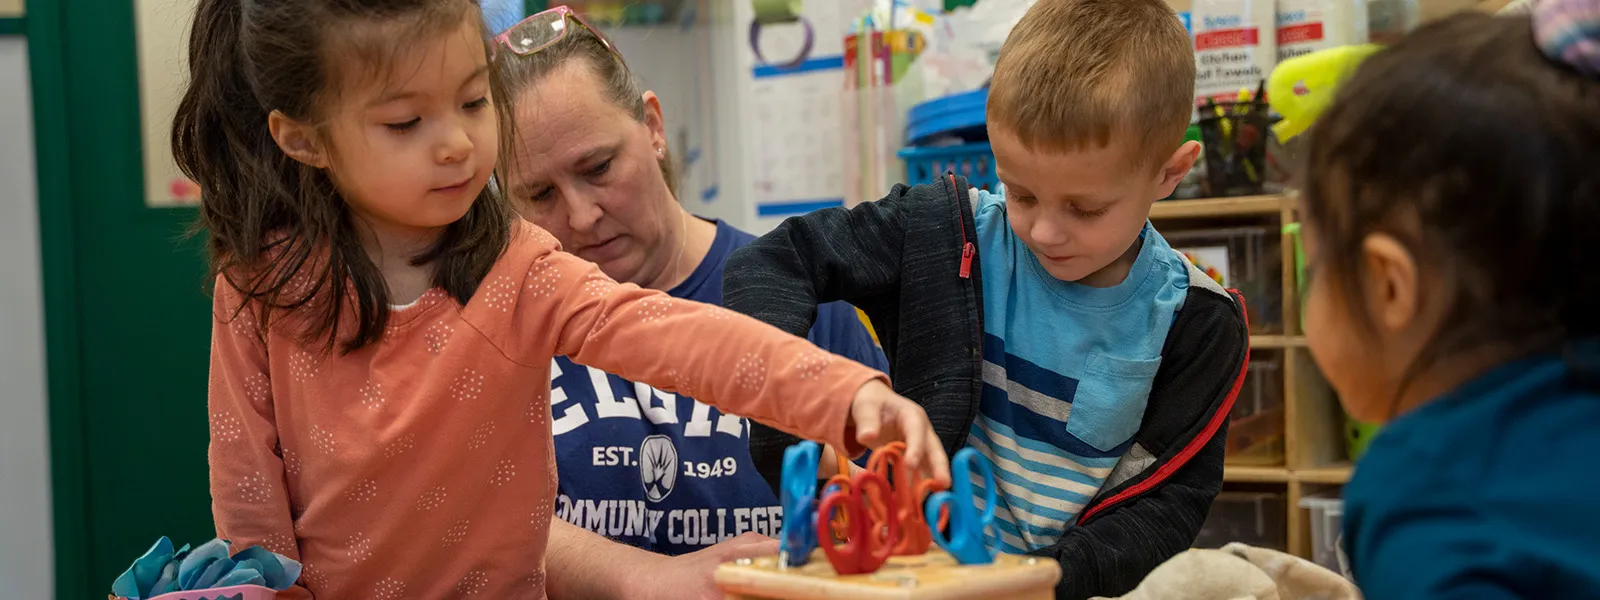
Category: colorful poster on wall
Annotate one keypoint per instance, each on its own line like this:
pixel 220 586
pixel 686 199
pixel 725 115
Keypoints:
pixel 163 40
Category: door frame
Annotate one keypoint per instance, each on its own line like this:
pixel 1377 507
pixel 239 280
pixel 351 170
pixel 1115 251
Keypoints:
pixel 46 31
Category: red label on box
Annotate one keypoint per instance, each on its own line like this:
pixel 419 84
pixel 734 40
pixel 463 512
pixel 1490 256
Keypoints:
pixel 1226 38
pixel 1295 34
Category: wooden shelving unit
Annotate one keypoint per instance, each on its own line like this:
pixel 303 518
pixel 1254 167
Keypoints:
pixel 1314 456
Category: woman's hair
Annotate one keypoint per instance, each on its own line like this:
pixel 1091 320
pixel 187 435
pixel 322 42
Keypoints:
pixel 280 233
pixel 521 72
pixel 1482 157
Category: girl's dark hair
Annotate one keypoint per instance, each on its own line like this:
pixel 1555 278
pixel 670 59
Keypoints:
pixel 617 83
pixel 279 231
pixel 1482 157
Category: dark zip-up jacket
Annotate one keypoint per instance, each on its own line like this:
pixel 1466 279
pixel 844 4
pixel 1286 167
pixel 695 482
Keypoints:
pixel 908 261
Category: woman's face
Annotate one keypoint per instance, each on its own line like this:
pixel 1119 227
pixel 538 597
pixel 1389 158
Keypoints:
pixel 587 171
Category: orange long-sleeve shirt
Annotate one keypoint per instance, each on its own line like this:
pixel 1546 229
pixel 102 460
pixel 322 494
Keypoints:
pixel 422 466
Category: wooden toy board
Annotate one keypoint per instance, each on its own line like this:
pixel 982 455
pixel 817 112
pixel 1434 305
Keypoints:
pixel 931 576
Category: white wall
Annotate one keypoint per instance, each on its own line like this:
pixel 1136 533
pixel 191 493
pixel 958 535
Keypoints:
pixel 26 569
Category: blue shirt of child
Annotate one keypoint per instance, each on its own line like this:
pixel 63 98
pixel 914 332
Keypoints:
pixel 1481 492
pixel 1067 372
pixel 662 471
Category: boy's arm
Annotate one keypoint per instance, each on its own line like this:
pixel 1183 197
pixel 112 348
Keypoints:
pixel 249 493
pixel 1122 538
pixel 831 254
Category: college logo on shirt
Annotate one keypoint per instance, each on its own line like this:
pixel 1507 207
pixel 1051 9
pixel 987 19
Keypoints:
pixel 658 466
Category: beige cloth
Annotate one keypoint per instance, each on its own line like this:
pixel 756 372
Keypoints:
pixel 1240 572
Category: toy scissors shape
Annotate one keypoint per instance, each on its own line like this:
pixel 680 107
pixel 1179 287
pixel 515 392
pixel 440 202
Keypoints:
pixel 799 489
pixel 910 488
pixel 872 533
pixel 966 540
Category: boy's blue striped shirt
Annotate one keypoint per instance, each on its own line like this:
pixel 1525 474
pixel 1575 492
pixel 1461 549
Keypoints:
pixel 1067 371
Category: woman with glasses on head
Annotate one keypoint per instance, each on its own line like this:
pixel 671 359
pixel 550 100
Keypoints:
pixel 646 468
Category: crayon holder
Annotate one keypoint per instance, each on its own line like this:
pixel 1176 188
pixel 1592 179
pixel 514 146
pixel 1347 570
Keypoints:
pixel 1234 137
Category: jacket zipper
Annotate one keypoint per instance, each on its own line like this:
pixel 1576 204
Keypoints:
pixel 967 249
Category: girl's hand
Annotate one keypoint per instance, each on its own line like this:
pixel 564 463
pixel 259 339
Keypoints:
pixel 880 416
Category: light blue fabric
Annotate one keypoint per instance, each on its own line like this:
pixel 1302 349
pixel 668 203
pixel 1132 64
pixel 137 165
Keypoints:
pixel 1067 372
pixel 163 570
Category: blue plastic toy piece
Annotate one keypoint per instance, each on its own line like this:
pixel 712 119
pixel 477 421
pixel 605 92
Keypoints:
pixel 966 540
pixel 799 503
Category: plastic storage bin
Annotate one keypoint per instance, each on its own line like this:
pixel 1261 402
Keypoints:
pixel 1242 258
pixel 1327 532
pixel 958 115
pixel 972 161
pixel 1257 519
pixel 1256 425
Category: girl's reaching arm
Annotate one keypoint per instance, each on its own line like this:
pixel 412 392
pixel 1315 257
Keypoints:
pixel 249 495
pixel 559 304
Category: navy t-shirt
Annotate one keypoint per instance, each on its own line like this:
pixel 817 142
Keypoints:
pixel 661 471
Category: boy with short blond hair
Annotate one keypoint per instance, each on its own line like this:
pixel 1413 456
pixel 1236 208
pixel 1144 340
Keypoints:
pixel 1052 329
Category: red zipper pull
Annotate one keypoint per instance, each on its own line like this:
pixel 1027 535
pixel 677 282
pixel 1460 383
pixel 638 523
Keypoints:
pixel 967 251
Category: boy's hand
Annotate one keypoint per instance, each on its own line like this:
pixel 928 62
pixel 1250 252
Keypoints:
pixel 880 416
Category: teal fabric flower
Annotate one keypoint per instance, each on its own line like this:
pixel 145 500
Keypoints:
pixel 163 570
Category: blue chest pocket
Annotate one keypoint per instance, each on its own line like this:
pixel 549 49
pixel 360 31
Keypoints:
pixel 1111 398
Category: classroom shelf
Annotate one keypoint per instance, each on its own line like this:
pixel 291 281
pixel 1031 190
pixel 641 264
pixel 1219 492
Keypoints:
pixel 1241 206
pixel 1334 474
pixel 1314 456
pixel 1249 474
pixel 1269 342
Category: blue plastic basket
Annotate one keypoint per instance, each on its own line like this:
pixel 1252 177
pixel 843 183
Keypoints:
pixel 960 116
pixel 972 161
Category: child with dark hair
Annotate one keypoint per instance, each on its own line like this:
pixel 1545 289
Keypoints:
pixel 381 318
pixel 1451 204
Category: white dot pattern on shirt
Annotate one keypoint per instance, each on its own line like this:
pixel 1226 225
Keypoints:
pixel 503 473
pixel 400 445
pixel 372 395
pixel 536 580
pixel 225 427
pixel 313 576
pixel 302 365
pixel 437 335
pixel 480 438
pixel 750 372
pixel 280 543
pixel 538 407
pixel 598 286
pixel 242 325
pixel 456 534
pixel 389 589
pixel 473 583
pixel 258 388
pixel 323 439
pixel 543 238
pixel 542 279
pixel 501 293
pixel 365 490
pixel 654 309
pixel 431 499
pixel 719 313
pixel 467 387
pixel 254 489
pixel 811 365
pixel 599 326
pixel 681 384
pixel 291 462
pixel 359 546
